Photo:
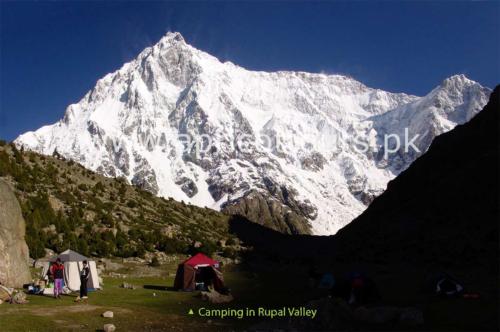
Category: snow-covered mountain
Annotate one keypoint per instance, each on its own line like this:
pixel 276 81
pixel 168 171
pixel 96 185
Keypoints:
pixel 296 151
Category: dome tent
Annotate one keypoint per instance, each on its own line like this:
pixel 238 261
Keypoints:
pixel 70 256
pixel 198 268
pixel 73 264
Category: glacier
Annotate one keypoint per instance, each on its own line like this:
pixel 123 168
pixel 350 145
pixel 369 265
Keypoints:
pixel 301 168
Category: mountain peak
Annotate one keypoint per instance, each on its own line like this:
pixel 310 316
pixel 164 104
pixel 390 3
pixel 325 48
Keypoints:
pixel 457 81
pixel 172 37
pixel 136 121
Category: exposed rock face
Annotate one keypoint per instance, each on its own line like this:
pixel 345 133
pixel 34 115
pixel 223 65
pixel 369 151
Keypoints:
pixel 14 270
pixel 187 186
pixel 269 212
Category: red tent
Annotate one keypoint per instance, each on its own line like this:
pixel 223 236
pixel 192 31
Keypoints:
pixel 198 269
pixel 200 260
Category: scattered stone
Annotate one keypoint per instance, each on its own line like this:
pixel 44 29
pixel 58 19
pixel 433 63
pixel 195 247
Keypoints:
pixel 381 315
pixel 38 264
pixel 126 285
pixel 109 328
pixel 19 298
pixel 161 257
pixel 49 252
pixel 117 275
pixel 216 297
pixel 377 315
pixel 411 317
pixel 111 266
pixel 108 314
pixel 50 229
pixel 136 260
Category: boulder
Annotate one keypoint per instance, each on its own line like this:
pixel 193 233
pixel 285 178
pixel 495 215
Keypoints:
pixel 136 260
pixel 107 314
pixel 381 315
pixel 126 285
pixel 411 317
pixel 49 253
pixel 38 264
pixel 5 293
pixel 110 265
pixel 270 212
pixel 216 297
pixel 377 315
pixel 19 298
pixel 14 254
pixel 109 328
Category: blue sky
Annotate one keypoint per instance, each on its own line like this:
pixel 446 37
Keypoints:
pixel 52 53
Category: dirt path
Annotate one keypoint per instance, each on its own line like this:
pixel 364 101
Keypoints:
pixel 57 310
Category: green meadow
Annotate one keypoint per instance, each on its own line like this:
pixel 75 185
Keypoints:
pixel 153 305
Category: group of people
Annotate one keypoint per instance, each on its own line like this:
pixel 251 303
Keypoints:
pixel 56 273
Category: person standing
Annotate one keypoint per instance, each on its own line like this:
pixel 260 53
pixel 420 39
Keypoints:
pixel 57 271
pixel 84 278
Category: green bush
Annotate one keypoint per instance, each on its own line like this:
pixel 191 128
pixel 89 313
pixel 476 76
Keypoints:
pixel 230 242
pixel 155 261
pixel 229 253
pixel 82 187
pixel 131 204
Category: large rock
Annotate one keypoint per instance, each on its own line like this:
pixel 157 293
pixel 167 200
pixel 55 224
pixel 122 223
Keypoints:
pixel 14 255
pixel 5 293
pixel 109 328
pixel 216 297
pixel 107 314
pixel 271 213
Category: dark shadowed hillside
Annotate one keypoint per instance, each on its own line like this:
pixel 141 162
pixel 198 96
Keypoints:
pixel 440 215
pixel 443 209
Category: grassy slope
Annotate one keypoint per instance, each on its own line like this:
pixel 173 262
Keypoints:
pixel 139 310
pixel 90 203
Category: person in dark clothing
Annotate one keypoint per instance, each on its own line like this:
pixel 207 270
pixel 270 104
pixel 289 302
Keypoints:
pixel 84 277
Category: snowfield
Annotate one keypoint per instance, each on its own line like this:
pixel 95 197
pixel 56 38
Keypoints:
pixel 303 132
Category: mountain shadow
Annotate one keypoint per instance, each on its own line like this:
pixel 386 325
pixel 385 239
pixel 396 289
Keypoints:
pixel 439 215
pixel 444 209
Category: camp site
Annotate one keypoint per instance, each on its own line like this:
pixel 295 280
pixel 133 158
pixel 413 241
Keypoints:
pixel 182 293
pixel 249 166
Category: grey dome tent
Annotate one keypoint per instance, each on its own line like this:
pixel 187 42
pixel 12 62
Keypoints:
pixel 73 264
pixel 70 256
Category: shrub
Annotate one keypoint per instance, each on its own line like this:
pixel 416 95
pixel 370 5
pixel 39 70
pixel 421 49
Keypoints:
pixel 229 253
pixel 99 186
pixel 155 261
pixel 230 242
pixel 82 187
